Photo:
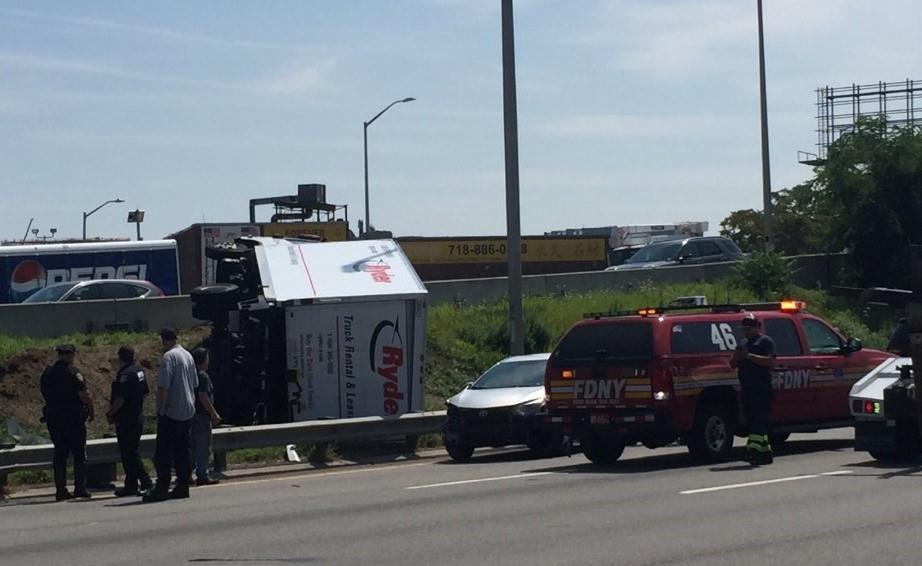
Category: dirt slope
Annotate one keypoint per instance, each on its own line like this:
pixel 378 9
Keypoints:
pixel 21 399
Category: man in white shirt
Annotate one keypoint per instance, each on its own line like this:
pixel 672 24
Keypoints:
pixel 176 384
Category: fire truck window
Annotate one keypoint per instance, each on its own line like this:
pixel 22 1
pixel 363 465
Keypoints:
pixel 617 340
pixel 820 338
pixel 704 337
pixel 783 333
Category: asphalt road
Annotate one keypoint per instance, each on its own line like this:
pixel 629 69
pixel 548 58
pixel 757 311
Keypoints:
pixel 820 503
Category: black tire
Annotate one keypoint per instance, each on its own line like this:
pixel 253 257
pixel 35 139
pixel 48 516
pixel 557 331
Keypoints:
pixel 219 293
pixel 908 450
pixel 602 450
pixel 711 437
pixel 459 451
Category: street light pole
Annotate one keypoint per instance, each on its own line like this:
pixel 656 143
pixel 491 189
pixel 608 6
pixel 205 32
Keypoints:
pixel 513 222
pixel 766 166
pixel 88 214
pixel 365 139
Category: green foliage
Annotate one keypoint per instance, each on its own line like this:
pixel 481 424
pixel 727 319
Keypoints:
pixel 767 275
pixel 873 177
pixel 866 197
pixel 11 345
pixel 801 216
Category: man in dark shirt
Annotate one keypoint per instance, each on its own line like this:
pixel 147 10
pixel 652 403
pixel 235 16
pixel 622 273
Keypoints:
pixel 126 411
pixel 67 407
pixel 205 417
pixel 754 361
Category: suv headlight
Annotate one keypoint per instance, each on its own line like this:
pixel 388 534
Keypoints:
pixel 529 408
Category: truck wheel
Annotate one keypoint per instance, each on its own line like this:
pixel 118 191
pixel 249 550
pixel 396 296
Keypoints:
pixel 217 295
pixel 711 437
pixel 459 451
pixel 602 450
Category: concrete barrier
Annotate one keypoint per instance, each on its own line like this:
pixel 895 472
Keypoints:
pixel 48 320
pixel 57 319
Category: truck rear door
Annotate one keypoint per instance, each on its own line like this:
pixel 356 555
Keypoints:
pixel 602 364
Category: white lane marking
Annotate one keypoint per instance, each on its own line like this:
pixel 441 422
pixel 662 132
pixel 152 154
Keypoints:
pixel 762 482
pixel 480 480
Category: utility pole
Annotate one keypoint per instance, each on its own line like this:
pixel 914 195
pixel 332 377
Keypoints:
pixel 766 166
pixel 513 222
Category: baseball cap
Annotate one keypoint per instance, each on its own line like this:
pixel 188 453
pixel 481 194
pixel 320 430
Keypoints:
pixel 750 319
pixel 65 349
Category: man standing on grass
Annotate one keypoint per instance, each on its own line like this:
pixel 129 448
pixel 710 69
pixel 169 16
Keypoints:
pixel 176 384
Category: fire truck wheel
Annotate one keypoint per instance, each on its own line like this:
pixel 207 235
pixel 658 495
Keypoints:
pixel 459 451
pixel 711 437
pixel 602 450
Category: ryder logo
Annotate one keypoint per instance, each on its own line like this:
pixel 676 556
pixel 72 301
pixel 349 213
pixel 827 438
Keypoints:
pixel 386 360
pixel 380 271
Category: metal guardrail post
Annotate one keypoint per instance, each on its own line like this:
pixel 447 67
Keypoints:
pixel 220 461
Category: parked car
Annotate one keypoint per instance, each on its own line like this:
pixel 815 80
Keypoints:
pixel 658 375
pixel 690 251
pixel 500 408
pixel 94 290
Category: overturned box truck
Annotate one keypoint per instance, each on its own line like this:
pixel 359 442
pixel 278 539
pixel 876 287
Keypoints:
pixel 305 330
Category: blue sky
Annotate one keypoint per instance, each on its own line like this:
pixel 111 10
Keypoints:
pixel 630 111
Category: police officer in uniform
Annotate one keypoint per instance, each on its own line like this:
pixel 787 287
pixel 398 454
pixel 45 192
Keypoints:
pixel 754 360
pixel 126 411
pixel 67 407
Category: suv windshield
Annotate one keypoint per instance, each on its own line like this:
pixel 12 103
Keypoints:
pixel 49 294
pixel 614 341
pixel 656 252
pixel 512 374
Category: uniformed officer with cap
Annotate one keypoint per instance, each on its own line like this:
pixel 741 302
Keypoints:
pixel 126 411
pixel 754 360
pixel 67 407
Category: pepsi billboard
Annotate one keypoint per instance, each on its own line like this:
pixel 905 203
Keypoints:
pixel 25 270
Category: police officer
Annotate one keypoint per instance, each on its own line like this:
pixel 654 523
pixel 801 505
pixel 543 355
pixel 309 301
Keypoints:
pixel 67 407
pixel 126 411
pixel 754 360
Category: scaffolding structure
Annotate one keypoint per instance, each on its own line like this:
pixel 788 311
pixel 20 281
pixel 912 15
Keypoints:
pixel 839 108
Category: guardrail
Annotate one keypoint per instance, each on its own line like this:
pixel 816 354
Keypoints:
pixel 104 452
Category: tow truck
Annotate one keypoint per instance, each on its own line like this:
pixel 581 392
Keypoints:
pixel 883 404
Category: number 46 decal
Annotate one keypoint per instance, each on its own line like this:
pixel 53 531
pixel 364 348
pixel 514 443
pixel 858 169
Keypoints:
pixel 722 336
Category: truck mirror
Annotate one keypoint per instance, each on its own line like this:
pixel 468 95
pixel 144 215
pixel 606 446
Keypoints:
pixel 852 345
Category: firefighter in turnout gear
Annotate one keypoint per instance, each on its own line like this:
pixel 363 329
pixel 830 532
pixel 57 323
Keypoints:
pixel 754 360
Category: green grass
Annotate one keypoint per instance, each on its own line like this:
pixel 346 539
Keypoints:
pixel 12 345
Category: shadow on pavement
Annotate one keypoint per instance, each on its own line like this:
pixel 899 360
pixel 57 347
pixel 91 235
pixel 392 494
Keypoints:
pixel 657 463
pixel 897 469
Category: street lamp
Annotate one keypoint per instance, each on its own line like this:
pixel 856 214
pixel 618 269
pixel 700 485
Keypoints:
pixel 365 132
pixel 87 214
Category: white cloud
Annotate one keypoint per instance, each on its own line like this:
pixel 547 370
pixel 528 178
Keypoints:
pixel 151 31
pixel 37 63
pixel 300 80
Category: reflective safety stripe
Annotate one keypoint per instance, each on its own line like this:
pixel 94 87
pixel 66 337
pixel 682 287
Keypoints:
pixel 759 443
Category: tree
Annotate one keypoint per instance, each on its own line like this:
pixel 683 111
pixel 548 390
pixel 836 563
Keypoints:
pixel 873 181
pixel 801 223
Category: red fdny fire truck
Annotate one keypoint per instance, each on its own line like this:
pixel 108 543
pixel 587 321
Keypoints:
pixel 656 376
